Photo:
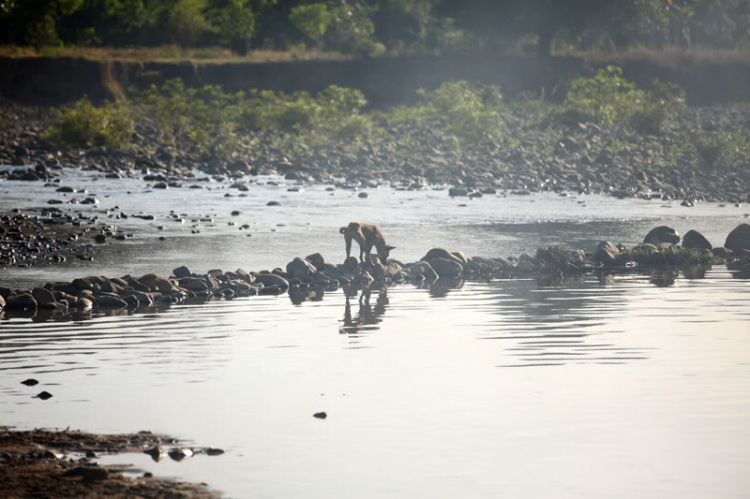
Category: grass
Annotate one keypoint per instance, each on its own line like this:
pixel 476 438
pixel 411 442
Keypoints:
pixel 168 53
pixel 670 56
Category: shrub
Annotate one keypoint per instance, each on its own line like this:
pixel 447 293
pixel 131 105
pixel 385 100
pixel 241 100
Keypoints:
pixel 207 117
pixel 652 114
pixel 608 99
pixel 720 148
pixel 81 123
pixel 468 111
pixel 600 99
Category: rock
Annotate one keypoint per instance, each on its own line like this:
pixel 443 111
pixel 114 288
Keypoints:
pixel 157 453
pixel 180 453
pixel 30 382
pixel 100 238
pixel 43 395
pixel 445 267
pixel 738 241
pixel 721 252
pixel 301 269
pixel 181 272
pixel 694 239
pixel 606 253
pixel 193 284
pixel 320 415
pixel 317 260
pixel 157 282
pixel 441 253
pixel 351 264
pixel 211 451
pixel 457 192
pixel 662 234
pixel 273 203
pixel 272 280
pixel 461 256
pixel 24 301
pixel 44 298
pixel 109 301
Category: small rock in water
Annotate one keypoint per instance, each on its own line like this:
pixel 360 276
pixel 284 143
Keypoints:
pixel 178 454
pixel 362 195
pixel 273 203
pixel 44 396
pixel 320 415
pixel 29 382
pixel 156 453
pixel 214 452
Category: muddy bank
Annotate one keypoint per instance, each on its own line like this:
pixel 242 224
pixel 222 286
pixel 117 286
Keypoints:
pixel 62 464
pixel 385 81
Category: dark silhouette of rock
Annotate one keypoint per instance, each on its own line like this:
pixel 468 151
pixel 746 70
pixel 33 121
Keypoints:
pixel 694 239
pixel 738 241
pixel 606 253
pixel 662 234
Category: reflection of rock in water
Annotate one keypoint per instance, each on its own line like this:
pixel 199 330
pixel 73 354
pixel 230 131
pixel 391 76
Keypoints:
pixel 546 324
pixel 297 296
pixel 443 285
pixel 664 278
pixel 367 316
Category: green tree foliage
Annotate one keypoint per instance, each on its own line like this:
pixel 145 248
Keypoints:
pixel 312 20
pixel 234 20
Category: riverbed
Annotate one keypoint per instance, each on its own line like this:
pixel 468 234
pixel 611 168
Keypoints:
pixel 629 386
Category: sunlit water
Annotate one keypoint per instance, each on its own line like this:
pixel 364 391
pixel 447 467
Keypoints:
pixel 596 388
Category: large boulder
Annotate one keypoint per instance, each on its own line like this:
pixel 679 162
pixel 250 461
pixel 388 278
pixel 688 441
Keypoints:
pixel 662 234
pixel 193 284
pixel 445 267
pixel 181 272
pixel 317 260
pixel 109 301
pixel 441 253
pixel 23 301
pixel 423 269
pixel 301 269
pixel 694 239
pixel 272 280
pixel 606 253
pixel 739 240
pixel 156 282
pixel 44 298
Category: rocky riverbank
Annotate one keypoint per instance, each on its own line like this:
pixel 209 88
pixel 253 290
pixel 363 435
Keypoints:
pixel 533 155
pixel 439 267
pixel 62 464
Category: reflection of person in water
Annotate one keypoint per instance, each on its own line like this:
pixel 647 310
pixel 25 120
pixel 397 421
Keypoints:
pixel 368 316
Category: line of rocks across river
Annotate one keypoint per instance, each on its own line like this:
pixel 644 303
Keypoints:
pixel 439 267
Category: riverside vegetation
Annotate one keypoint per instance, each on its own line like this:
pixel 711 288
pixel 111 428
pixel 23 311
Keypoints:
pixel 605 135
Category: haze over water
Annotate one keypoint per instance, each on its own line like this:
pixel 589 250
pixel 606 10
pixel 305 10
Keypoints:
pixel 620 387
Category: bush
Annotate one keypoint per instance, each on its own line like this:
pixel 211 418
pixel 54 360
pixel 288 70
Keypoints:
pixel 720 148
pixel 651 115
pixel 81 124
pixel 608 99
pixel 470 112
pixel 207 117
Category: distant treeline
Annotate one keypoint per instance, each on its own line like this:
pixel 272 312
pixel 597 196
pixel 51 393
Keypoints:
pixel 373 27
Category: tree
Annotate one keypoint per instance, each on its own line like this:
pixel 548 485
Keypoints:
pixel 234 20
